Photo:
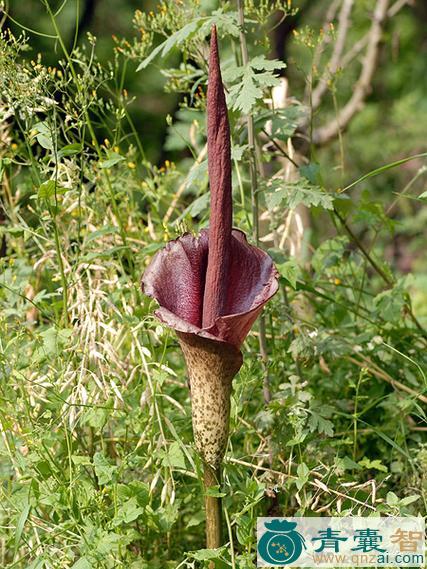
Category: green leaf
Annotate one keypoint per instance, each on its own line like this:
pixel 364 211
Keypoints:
pixel 215 492
pixel 113 158
pixel 290 271
pixel 226 22
pixel 291 194
pixel 311 172
pixel 409 500
pixel 174 40
pixel 44 136
pixel 198 172
pixel 21 523
pixel 392 499
pixel 282 122
pixel 389 304
pixel 175 457
pixel 70 149
pixel 206 554
pixel 54 340
pixel 317 422
pixel 261 63
pixel 246 93
pixel 106 230
pixel 255 78
pixel 47 189
pixel 347 463
pixel 372 464
pixel 382 169
pixel 303 473
pixel 82 563
pixel 196 519
pixel 103 469
pixel 45 141
pixel 128 512
pixel 80 460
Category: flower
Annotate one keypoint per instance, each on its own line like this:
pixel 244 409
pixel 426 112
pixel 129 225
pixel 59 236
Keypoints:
pixel 212 287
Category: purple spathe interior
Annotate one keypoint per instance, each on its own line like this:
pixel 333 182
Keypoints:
pixel 176 279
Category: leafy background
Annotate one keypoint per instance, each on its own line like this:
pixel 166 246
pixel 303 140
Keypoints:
pixel 101 164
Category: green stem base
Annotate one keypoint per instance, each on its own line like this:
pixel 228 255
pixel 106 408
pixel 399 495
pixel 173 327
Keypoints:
pixel 213 508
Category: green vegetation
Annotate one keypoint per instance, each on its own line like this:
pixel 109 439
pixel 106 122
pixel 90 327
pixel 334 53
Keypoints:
pixel 101 164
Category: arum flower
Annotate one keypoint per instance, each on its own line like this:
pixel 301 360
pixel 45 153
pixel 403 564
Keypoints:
pixel 210 290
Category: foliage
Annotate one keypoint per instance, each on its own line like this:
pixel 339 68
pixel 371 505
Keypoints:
pixel 96 460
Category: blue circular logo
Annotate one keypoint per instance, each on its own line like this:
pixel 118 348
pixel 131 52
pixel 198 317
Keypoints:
pixel 281 544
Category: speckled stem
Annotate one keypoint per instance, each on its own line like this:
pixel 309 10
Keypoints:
pixel 211 367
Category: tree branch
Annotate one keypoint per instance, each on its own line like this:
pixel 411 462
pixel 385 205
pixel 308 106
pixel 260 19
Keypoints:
pixel 325 133
pixel 325 40
pixel 335 61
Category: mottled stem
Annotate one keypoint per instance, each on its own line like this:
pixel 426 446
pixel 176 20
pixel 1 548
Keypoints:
pixel 221 215
pixel 211 367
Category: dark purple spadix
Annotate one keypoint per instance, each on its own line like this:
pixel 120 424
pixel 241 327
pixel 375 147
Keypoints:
pixel 221 218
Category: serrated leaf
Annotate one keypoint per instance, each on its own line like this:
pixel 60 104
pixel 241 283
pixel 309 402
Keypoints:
pixel 291 194
pixel 372 464
pixel 174 40
pixel 318 423
pixel 246 93
pixel 261 63
pixel 255 78
pixel 226 22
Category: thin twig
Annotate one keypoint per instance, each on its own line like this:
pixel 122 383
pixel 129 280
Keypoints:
pixel 363 250
pixel 381 374
pixel 324 134
pixel 335 61
pixel 325 40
